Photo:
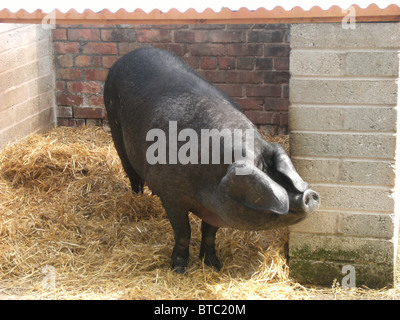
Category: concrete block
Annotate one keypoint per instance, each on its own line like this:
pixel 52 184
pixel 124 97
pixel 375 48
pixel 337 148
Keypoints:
pixel 362 145
pixel 366 172
pixel 372 64
pixel 343 91
pixel 318 222
pixel 22 36
pixel 334 248
pixel 325 273
pixel 305 62
pixel 353 197
pixel 328 63
pixel 366 225
pixel 329 118
pixel 332 35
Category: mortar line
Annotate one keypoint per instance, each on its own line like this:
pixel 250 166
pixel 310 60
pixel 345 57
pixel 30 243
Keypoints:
pixel 341 132
pixel 359 185
pixel 346 49
pixel 328 104
pixel 343 77
pixel 324 158
pixel 341 105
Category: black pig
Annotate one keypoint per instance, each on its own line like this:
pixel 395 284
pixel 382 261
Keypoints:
pixel 151 89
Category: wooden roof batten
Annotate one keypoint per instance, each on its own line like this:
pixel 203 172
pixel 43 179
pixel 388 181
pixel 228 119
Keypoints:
pixel 372 13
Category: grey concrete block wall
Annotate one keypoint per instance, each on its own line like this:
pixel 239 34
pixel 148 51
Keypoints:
pixel 27 82
pixel 343 124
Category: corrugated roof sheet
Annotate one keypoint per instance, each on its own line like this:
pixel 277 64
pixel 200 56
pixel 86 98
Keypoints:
pixel 226 15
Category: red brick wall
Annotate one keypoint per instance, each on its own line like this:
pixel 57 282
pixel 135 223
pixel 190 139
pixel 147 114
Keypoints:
pixel 249 62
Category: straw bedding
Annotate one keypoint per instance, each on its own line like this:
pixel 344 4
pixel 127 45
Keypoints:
pixel 65 202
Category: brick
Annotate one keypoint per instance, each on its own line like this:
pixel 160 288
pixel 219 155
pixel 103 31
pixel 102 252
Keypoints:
pixel 223 36
pixel 379 92
pixel 218 76
pixel 244 76
pixel 93 122
pixel 88 112
pixel 263 64
pixel 276 104
pixel 281 63
pixel 62 122
pixel 208 63
pixel 285 91
pixel 64 112
pixel 60 86
pixel 59 34
pixel 328 35
pixel 83 61
pixel 95 100
pixel 154 35
pixel 108 61
pixel 226 63
pixel 239 26
pixel 276 77
pixel 194 62
pixel 100 48
pixel 250 104
pixel 187 36
pixel 68 74
pixel 66 47
pixel 95 74
pixel 96 61
pixel 208 26
pixel 276 50
pixel 126 47
pixel 245 63
pixel 118 35
pixel 83 87
pixel 207 49
pixel 76 123
pixel 233 90
pixel 272 26
pixel 378 119
pixel 283 118
pixel 263 91
pixel 180 49
pixel 259 117
pixel 84 34
pixel 381 146
pixel 244 49
pixel 269 36
pixel 65 60
pixel 68 100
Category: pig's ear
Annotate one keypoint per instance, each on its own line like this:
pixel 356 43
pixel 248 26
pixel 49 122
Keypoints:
pixel 283 165
pixel 253 188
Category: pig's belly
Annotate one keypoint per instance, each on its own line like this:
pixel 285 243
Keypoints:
pixel 210 218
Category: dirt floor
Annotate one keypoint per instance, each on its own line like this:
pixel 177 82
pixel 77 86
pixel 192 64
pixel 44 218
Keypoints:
pixel 70 228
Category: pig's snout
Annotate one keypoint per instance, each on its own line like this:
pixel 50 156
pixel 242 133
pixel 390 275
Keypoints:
pixel 310 201
pixel 306 202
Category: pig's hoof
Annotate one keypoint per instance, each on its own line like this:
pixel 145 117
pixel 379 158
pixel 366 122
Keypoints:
pixel 179 265
pixel 212 261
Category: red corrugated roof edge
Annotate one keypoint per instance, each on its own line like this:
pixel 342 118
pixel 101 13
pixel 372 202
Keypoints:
pixel 208 16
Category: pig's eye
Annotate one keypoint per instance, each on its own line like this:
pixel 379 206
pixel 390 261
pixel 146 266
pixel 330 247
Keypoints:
pixel 260 165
